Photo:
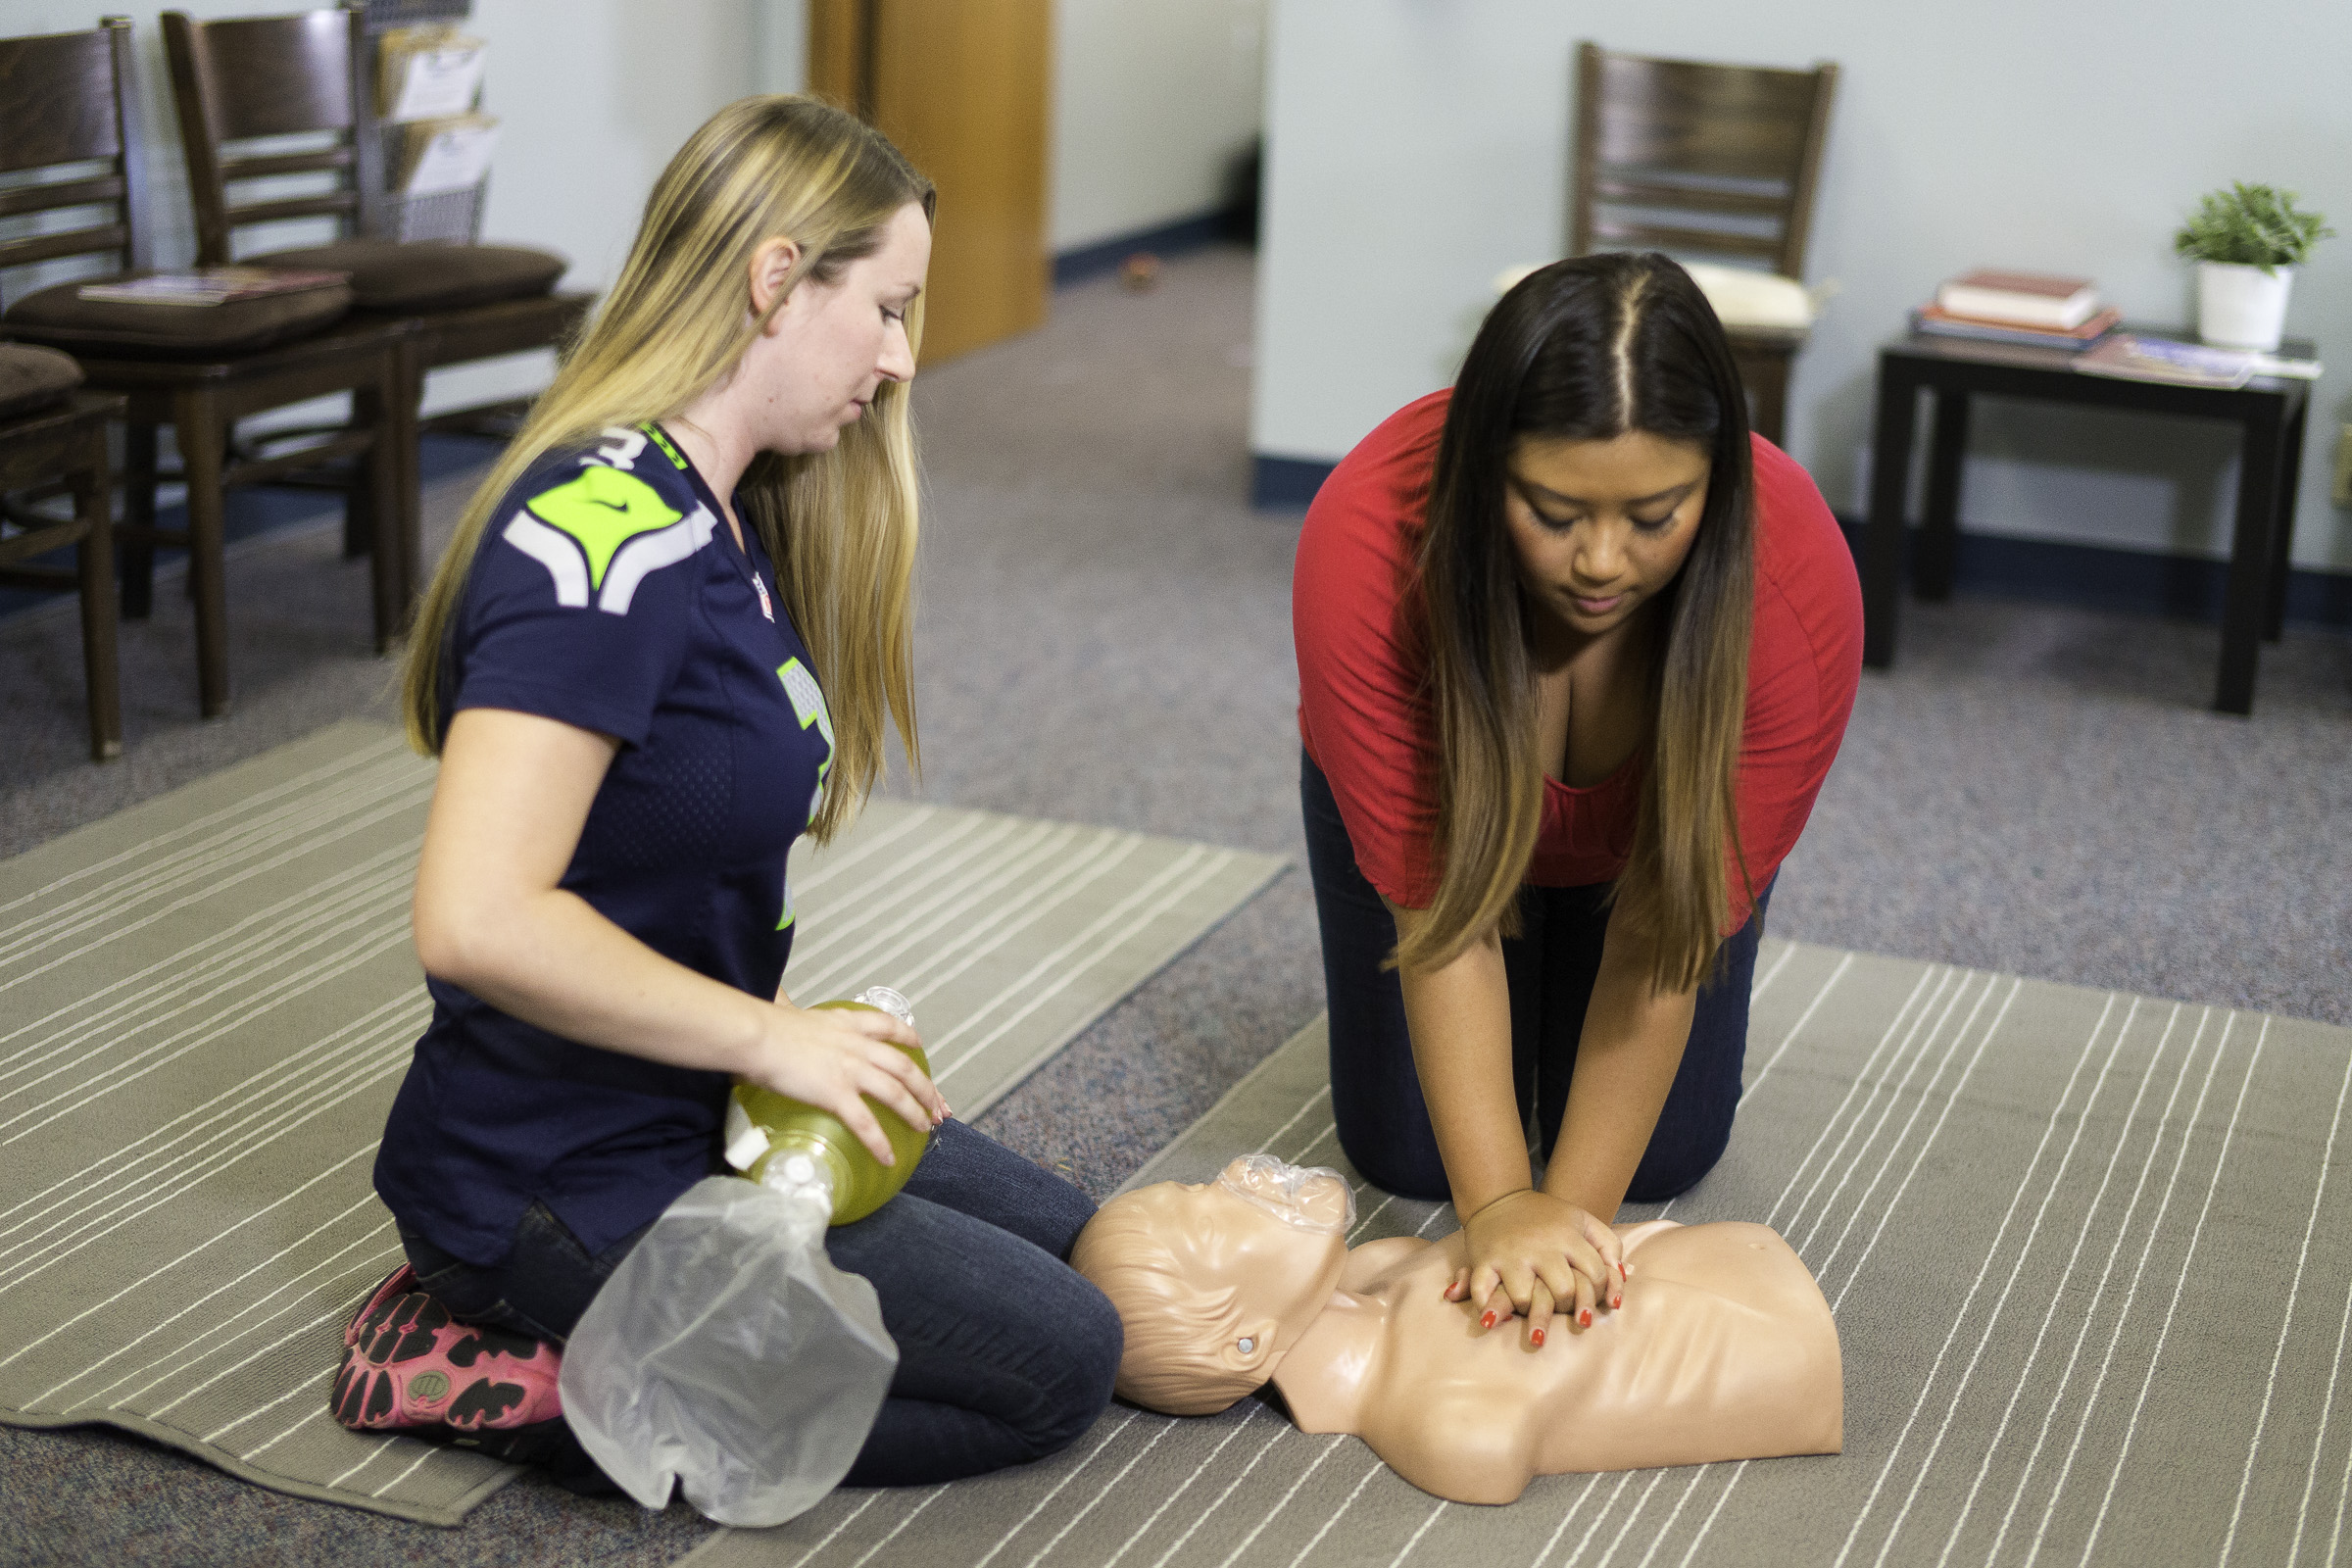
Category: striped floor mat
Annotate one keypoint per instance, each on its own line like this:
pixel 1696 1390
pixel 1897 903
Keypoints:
pixel 2091 1263
pixel 206 1003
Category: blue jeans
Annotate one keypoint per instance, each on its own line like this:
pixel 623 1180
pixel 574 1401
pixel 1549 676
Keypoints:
pixel 1552 965
pixel 1006 1352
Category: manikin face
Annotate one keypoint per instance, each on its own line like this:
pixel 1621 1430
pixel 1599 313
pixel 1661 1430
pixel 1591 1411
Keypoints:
pixel 830 346
pixel 1601 527
pixel 1274 1236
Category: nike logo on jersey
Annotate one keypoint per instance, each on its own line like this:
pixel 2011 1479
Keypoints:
pixel 601 509
pixel 602 533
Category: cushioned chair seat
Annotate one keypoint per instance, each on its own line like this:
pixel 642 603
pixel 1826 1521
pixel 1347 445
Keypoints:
pixel 34 378
pixel 412 279
pixel 112 329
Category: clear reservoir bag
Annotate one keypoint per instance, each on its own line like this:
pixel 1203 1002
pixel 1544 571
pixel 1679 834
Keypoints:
pixel 727 1356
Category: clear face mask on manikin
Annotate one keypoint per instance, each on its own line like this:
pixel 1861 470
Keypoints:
pixel 1312 1198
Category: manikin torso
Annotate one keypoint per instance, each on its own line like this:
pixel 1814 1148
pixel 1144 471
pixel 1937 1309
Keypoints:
pixel 1724 1348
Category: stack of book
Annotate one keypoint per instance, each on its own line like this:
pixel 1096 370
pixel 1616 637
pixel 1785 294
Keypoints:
pixel 2028 308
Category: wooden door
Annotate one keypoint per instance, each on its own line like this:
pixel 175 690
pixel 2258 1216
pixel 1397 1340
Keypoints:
pixel 960 86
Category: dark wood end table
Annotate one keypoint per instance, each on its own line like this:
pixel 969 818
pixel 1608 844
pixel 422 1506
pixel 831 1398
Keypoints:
pixel 2270 412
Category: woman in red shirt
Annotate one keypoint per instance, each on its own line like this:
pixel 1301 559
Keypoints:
pixel 1575 653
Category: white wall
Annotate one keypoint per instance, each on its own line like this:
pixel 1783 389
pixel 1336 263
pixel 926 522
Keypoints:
pixel 1416 147
pixel 1151 99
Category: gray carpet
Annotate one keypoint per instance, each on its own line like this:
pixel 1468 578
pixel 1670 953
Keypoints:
pixel 1104 637
pixel 212 998
pixel 2091 1273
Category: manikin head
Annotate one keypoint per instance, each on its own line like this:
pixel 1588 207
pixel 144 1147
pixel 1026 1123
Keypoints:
pixel 1215 1281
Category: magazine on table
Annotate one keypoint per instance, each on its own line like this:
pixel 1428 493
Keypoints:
pixel 2137 356
pixel 211 285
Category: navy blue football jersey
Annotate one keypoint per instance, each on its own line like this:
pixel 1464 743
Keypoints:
pixel 609 592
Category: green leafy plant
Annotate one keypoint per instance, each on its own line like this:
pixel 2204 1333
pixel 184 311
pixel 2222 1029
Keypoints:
pixel 2250 225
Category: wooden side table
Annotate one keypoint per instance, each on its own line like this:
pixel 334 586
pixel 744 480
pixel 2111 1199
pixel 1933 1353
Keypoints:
pixel 2270 412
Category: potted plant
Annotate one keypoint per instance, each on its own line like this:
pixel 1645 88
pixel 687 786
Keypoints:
pixel 2247 241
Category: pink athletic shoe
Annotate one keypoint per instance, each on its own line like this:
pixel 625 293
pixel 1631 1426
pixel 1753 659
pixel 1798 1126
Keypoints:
pixel 407 1364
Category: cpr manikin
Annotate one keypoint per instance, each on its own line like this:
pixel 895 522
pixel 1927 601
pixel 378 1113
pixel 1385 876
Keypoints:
pixel 1722 1350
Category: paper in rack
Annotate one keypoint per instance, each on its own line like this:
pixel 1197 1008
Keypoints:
pixel 447 155
pixel 428 74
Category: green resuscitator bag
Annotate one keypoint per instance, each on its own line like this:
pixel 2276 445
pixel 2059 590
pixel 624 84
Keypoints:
pixel 796 1149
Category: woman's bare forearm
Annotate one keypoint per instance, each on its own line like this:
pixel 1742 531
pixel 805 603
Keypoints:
pixel 1626 1059
pixel 549 960
pixel 1460 1016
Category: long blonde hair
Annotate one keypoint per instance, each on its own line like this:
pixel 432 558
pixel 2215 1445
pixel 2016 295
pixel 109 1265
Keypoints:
pixel 1589 349
pixel 839 525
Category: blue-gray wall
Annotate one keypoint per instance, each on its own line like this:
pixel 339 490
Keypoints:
pixel 1417 147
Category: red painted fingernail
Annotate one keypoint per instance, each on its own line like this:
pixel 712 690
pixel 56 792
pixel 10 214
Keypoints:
pixel 1620 1271
pixel 1487 1322
pixel 1616 1302
pixel 1584 1317
pixel 1537 1337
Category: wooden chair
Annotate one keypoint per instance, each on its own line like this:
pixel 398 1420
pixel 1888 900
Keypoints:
pixel 64 108
pixel 1704 160
pixel 53 438
pixel 240 79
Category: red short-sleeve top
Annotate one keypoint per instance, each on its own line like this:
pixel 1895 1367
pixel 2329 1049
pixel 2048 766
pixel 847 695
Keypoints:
pixel 1366 713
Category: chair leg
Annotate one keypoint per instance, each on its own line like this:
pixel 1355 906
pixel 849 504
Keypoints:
pixel 200 444
pixel 360 523
pixel 1772 398
pixel 1764 371
pixel 138 512
pixel 93 502
pixel 391 473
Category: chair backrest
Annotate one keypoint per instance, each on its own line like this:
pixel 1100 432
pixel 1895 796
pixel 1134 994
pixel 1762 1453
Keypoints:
pixel 64 107
pixel 1680 156
pixel 243 78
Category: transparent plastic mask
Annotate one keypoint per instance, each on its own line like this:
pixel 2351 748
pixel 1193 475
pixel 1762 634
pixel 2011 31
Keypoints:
pixel 1312 1198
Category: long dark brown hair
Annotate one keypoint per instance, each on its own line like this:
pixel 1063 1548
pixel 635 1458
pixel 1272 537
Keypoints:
pixel 1587 350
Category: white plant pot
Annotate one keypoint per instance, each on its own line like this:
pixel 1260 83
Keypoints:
pixel 2241 307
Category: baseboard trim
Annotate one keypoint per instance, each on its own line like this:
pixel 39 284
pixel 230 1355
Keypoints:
pixel 2129 581
pixel 2089 576
pixel 1104 256
pixel 1285 482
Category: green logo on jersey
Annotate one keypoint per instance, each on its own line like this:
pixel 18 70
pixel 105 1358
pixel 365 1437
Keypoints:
pixel 603 510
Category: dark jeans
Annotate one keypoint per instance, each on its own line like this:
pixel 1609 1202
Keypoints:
pixel 1375 1092
pixel 1005 1353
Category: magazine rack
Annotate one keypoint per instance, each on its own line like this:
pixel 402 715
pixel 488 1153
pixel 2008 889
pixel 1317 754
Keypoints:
pixel 454 214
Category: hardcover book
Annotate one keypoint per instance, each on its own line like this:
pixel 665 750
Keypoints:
pixel 1939 323
pixel 2030 299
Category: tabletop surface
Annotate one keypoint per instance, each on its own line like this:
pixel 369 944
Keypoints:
pixel 2026 357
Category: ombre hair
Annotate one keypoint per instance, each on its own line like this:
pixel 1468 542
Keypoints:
pixel 840 526
pixel 1587 350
